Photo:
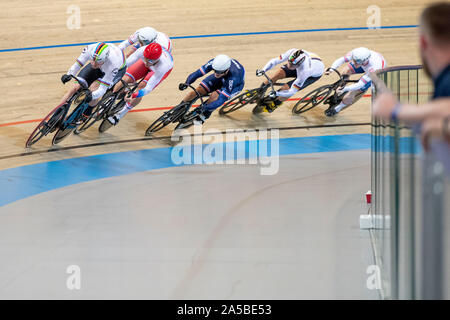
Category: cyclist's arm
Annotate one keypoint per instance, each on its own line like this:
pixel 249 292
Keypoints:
pixel 199 72
pixel 128 42
pixel 139 53
pixel 154 80
pixel 105 83
pixel 80 62
pixel 365 80
pixel 282 58
pixel 336 64
pixel 296 85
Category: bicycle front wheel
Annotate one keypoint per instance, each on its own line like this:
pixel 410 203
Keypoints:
pixel 168 117
pixel 47 125
pixel 312 99
pixel 239 101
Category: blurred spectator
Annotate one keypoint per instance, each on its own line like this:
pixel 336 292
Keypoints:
pixel 433 116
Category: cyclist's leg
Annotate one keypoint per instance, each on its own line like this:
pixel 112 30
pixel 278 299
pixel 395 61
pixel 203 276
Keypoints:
pixel 134 73
pixel 70 93
pixel 206 86
pixel 350 97
pixel 215 95
pixel 279 74
pixel 88 77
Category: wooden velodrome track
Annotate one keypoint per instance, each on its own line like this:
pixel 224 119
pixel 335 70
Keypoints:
pixel 30 78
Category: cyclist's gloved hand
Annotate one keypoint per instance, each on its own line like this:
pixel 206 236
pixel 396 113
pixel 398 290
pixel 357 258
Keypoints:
pixel 272 95
pixel 88 96
pixel 182 86
pixel 259 72
pixel 65 78
pixel 327 72
pixel 138 94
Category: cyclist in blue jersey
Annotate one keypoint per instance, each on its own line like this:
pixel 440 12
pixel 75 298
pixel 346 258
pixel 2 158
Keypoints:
pixel 226 82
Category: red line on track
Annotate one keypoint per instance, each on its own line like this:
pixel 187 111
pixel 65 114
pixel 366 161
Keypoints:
pixel 138 110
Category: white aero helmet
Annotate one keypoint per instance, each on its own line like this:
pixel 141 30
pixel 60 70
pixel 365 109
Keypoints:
pixel 297 57
pixel 361 55
pixel 146 35
pixel 101 52
pixel 221 63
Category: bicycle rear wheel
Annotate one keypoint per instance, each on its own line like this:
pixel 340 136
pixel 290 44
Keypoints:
pixel 46 126
pixel 239 101
pixel 312 99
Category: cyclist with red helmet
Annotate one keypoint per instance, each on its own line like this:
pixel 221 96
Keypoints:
pixel 153 63
pixel 304 66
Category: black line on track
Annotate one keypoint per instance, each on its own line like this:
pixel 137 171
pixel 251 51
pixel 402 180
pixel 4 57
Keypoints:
pixel 54 149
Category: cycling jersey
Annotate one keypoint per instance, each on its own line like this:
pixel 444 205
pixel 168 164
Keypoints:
pixel 375 62
pixel 312 67
pixel 115 62
pixel 159 71
pixel 227 86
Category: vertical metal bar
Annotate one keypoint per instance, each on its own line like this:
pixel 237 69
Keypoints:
pixel 432 233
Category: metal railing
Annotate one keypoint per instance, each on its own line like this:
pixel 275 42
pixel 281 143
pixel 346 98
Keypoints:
pixel 409 216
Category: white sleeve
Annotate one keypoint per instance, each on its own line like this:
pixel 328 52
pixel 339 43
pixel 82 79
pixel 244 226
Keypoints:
pixel 138 54
pixel 298 83
pixel 128 42
pixel 80 62
pixel 336 64
pixel 282 58
pixel 105 83
pixel 287 93
pixel 359 85
pixel 154 80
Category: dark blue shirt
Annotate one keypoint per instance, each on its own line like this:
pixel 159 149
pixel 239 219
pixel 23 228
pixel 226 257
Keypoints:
pixel 442 84
pixel 232 82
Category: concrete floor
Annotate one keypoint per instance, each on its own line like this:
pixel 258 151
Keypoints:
pixel 196 232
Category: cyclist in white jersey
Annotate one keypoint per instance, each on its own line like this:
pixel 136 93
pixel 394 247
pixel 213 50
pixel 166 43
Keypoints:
pixel 306 67
pixel 107 67
pixel 360 60
pixel 143 37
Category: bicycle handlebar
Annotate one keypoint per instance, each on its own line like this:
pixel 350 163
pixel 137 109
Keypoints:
pixel 196 92
pixel 81 83
pixel 337 72
pixel 268 79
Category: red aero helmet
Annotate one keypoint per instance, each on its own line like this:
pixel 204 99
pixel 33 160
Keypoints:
pixel 153 51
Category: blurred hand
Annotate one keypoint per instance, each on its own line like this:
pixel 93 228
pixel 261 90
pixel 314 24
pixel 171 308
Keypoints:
pixel 65 78
pixel 340 91
pixel 431 128
pixel 259 72
pixel 384 105
pixel 182 86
